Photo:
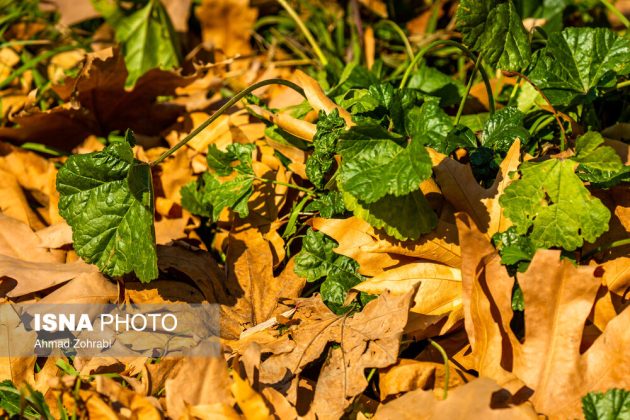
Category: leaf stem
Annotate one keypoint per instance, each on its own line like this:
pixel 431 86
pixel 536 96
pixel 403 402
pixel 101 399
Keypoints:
pixel 471 80
pixel 401 35
pixel 224 108
pixel 447 42
pixel 447 371
pixel 286 184
pixel 605 247
pixel 307 34
pixel 623 84
pixel 556 114
pixel 611 7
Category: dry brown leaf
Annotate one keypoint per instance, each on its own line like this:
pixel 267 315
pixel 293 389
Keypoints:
pixel 439 287
pixel 55 236
pixel 195 265
pixel 226 25
pixel 462 190
pixel 13 202
pixel 353 235
pixel 318 99
pixel 617 275
pixel 376 253
pixel 141 407
pixel 86 288
pixel 17 240
pixel 30 277
pixel 299 128
pixel 487 321
pixel 558 300
pixel 249 401
pixel 479 399
pixel 407 375
pixel 251 283
pixel 99 104
pixel 369 339
pixel 195 381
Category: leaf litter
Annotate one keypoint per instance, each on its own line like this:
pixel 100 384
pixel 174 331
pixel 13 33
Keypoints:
pixel 381 241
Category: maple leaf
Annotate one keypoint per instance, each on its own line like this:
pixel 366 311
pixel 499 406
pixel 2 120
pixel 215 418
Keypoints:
pixel 558 299
pixel 368 339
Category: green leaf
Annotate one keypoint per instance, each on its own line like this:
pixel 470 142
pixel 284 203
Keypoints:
pixel 329 128
pixel 405 217
pixel 208 196
pixel 430 124
pixel 599 164
pixel 503 128
pixel 107 199
pixel 435 83
pixel 512 247
pixel 612 405
pixel 146 36
pixel 374 164
pixel 578 62
pixel 317 260
pixel 518 301
pixel 10 401
pixel 551 199
pixel 328 205
pixel 459 136
pixel 495 30
pixel 223 162
pixel 9 398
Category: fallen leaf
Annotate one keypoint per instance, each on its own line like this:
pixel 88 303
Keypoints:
pixel 226 25
pixel 462 190
pixel 32 277
pixel 99 104
pixel 369 339
pixel 195 381
pixel 479 399
pixel 558 300
pixel 250 280
pixel 438 286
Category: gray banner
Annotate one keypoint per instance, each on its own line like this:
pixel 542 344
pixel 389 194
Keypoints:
pixel 93 330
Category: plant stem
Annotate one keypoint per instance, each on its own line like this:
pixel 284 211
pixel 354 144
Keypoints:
pixel 556 114
pixel 402 36
pixel 307 34
pixel 471 80
pixel 447 42
pixel 447 370
pixel 623 84
pixel 224 108
pixel 605 247
pixel 32 63
pixel 295 187
pixel 611 7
